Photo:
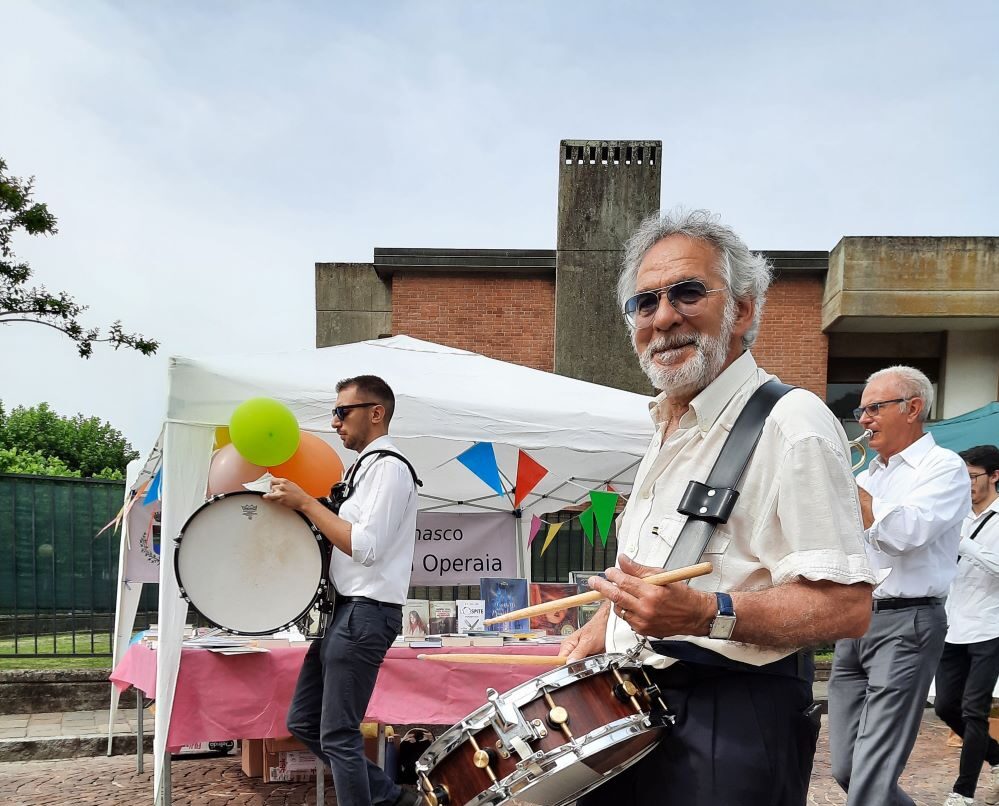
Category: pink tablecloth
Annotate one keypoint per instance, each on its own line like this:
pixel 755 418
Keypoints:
pixel 222 697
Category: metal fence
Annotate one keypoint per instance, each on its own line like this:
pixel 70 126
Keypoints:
pixel 58 579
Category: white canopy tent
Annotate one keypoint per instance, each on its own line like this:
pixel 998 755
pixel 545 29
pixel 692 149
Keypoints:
pixel 446 400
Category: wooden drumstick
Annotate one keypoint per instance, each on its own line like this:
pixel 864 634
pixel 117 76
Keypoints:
pixel 662 578
pixel 520 660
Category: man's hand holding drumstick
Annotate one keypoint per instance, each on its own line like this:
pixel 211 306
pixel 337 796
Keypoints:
pixel 654 610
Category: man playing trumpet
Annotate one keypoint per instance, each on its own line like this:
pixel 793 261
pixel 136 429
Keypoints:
pixel 789 565
pixel 913 497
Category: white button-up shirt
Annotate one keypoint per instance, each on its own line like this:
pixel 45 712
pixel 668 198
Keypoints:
pixel 382 514
pixel 973 604
pixel 797 515
pixel 920 498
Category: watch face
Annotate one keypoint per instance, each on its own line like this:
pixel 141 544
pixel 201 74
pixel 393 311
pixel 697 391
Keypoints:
pixel 722 627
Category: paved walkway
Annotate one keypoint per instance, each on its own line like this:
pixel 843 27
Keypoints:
pixel 102 781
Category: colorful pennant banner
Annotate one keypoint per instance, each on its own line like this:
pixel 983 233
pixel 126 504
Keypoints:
pixel 529 473
pixel 603 505
pixel 586 522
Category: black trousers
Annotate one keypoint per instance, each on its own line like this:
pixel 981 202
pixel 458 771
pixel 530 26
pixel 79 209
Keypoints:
pixel 333 690
pixel 965 679
pixel 740 739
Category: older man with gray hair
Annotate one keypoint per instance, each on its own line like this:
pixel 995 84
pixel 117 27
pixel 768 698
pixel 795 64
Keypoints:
pixel 913 499
pixel 727 650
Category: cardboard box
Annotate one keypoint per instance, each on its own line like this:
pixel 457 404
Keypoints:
pixel 253 757
pixel 287 759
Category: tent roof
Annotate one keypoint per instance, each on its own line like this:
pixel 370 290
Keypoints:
pixel 446 400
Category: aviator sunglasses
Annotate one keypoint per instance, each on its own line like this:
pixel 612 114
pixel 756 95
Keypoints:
pixel 686 297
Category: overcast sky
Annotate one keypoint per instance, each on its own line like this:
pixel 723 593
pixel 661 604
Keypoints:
pixel 201 157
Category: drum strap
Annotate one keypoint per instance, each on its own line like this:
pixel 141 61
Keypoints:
pixel 343 490
pixel 708 504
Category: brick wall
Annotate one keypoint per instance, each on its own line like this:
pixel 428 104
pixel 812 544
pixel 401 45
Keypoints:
pixel 791 343
pixel 506 317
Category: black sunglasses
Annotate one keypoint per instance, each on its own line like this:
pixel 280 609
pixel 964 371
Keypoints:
pixel 685 297
pixel 340 412
pixel 874 409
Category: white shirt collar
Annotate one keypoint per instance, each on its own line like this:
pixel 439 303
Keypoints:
pixel 913 455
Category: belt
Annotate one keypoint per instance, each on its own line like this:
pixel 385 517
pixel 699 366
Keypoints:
pixel 900 604
pixel 695 664
pixel 366 600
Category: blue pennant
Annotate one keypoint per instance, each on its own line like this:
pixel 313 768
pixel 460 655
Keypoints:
pixel 481 460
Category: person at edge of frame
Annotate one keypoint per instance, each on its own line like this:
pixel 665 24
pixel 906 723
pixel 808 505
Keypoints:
pixel 969 665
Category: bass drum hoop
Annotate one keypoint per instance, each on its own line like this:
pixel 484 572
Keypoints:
pixel 321 595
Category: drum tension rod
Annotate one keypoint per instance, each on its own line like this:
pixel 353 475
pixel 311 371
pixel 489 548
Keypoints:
pixel 665 715
pixel 483 757
pixel 434 795
pixel 625 690
pixel 558 717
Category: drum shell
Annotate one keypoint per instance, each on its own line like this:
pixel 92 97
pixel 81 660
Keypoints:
pixel 591 704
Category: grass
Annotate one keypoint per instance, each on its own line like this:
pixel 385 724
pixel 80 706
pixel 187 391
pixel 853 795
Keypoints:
pixel 19 654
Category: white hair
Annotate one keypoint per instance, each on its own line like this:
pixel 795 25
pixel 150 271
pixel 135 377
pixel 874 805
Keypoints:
pixel 747 275
pixel 910 383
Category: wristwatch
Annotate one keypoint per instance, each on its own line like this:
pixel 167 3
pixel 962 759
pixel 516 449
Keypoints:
pixel 723 624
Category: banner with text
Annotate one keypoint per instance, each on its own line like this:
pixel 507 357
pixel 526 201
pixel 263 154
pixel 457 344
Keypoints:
pixel 458 549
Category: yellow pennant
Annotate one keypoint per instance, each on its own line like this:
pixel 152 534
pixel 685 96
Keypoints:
pixel 552 531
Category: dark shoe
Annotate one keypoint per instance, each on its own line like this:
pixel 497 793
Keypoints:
pixel 409 797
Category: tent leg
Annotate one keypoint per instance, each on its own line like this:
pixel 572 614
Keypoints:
pixel 140 732
pixel 167 794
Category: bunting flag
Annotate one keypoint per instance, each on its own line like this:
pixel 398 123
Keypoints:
pixel 552 531
pixel 529 473
pixel 535 527
pixel 586 521
pixel 610 489
pixel 603 506
pixel 481 460
pixel 153 493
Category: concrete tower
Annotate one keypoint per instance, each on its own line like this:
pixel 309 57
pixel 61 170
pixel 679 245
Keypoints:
pixel 605 189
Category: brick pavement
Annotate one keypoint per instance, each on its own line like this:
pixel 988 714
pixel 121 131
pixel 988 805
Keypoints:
pixel 102 781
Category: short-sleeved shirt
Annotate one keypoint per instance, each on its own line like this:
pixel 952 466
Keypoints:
pixel 797 516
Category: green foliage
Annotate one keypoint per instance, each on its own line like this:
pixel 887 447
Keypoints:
pixel 33 463
pixel 35 304
pixel 38 437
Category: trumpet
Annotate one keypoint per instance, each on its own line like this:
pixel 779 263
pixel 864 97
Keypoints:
pixel 859 445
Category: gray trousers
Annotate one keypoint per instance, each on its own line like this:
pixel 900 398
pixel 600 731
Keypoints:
pixel 877 694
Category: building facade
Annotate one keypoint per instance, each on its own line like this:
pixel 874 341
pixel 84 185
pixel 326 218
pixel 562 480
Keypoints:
pixel 831 317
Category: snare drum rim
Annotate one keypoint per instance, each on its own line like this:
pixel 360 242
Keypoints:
pixel 322 588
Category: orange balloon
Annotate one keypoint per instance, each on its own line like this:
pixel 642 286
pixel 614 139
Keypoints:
pixel 315 467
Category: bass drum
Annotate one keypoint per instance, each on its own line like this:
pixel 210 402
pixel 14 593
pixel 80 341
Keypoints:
pixel 251 566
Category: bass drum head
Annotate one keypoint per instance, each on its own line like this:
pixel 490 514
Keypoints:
pixel 249 565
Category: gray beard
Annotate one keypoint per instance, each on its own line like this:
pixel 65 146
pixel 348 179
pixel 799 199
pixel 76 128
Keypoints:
pixel 696 372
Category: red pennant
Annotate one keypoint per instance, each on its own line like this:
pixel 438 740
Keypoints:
pixel 529 473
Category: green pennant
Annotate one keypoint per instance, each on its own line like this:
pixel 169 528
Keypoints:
pixel 603 506
pixel 586 521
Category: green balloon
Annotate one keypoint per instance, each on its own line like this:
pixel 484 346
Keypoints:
pixel 264 431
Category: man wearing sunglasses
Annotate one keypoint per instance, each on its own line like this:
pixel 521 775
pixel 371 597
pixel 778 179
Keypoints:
pixel 913 498
pixel 373 537
pixel 789 565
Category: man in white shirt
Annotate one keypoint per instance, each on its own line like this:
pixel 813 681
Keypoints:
pixel 913 497
pixel 969 666
pixel 373 537
pixel 789 565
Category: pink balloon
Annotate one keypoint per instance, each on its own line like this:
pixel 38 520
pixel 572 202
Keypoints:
pixel 229 471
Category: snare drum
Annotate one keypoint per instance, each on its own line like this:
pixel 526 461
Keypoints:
pixel 251 566
pixel 550 740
